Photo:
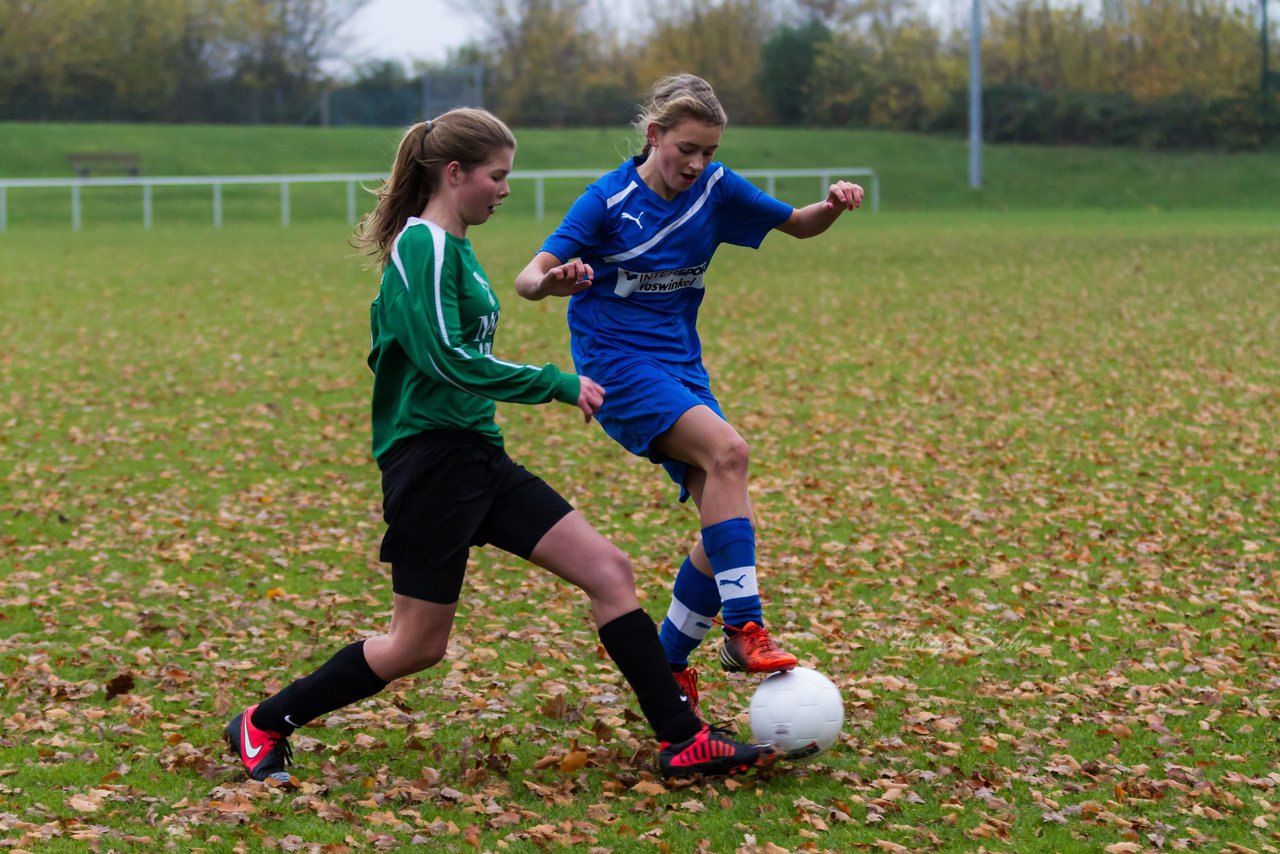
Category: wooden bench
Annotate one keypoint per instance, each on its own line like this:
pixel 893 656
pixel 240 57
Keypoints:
pixel 86 162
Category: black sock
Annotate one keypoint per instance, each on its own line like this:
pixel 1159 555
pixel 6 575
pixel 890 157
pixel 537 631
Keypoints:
pixel 342 680
pixel 632 642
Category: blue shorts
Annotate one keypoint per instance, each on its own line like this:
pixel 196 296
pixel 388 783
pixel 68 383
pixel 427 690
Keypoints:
pixel 642 400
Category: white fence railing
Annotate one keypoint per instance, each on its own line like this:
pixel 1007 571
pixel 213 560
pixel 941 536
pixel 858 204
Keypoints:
pixel 76 185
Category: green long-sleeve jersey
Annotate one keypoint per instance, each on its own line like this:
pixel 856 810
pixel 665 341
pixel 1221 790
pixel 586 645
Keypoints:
pixel 432 326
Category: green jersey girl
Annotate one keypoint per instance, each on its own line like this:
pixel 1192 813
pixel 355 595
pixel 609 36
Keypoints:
pixel 447 481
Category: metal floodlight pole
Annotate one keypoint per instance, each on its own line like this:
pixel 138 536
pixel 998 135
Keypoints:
pixel 975 97
pixel 1265 64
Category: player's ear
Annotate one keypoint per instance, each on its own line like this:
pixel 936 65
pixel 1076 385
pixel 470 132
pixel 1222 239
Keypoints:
pixel 652 132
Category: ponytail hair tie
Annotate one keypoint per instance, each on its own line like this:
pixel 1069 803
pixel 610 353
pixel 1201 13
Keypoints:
pixel 426 126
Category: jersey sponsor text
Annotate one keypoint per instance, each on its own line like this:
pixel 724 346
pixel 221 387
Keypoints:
pixel 659 281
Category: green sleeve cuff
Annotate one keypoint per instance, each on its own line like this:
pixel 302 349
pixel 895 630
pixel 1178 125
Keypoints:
pixel 568 389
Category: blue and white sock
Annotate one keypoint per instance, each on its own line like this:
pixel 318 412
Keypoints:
pixel 694 602
pixel 731 547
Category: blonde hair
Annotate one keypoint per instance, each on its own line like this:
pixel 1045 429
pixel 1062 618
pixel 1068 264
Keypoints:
pixel 468 135
pixel 676 98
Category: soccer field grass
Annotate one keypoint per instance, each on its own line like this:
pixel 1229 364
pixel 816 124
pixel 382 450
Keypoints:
pixel 1016 486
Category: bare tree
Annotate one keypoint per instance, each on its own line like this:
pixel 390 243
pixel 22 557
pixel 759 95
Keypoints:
pixel 275 48
pixel 721 41
pixel 541 52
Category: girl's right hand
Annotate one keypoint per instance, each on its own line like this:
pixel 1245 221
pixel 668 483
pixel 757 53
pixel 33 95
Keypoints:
pixel 590 397
pixel 567 279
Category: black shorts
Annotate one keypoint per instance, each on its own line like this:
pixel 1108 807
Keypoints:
pixel 445 491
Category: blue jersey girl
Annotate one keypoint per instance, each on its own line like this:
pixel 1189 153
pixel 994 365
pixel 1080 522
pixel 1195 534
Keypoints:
pixel 632 254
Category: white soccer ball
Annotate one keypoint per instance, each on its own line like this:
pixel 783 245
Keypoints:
pixel 800 712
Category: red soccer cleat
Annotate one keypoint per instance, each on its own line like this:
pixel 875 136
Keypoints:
pixel 687 680
pixel 750 648
pixel 710 751
pixel 263 753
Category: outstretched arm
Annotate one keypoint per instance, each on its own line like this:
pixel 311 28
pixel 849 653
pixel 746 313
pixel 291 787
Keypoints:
pixel 545 276
pixel 812 220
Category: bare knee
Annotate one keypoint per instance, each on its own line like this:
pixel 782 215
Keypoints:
pixel 730 459
pixel 610 577
pixel 612 588
pixel 428 655
pixel 615 570
pixel 405 657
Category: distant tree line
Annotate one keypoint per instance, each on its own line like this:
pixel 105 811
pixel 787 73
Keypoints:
pixel 1175 73
pixel 245 61
pixel 1161 74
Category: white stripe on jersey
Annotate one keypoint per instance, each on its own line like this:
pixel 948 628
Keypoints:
pixel 437 243
pixel 620 195
pixel 395 257
pixel 438 240
pixel 445 376
pixel 649 244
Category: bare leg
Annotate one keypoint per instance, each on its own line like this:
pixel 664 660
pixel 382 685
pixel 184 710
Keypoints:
pixel 671 443
pixel 694 481
pixel 572 549
pixel 417 638
pixel 707 442
pixel 580 554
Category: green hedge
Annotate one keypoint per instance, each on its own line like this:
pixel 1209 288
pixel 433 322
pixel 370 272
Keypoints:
pixel 1027 114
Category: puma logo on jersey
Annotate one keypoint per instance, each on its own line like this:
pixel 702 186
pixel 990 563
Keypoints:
pixel 635 219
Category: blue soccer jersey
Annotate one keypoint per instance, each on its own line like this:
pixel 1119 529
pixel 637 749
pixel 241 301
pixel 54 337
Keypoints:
pixel 649 256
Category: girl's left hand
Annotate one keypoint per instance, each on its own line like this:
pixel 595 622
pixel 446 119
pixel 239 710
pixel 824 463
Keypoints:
pixel 590 396
pixel 843 194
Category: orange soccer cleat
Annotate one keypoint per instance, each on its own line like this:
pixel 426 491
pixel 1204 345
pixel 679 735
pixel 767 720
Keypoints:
pixel 750 648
